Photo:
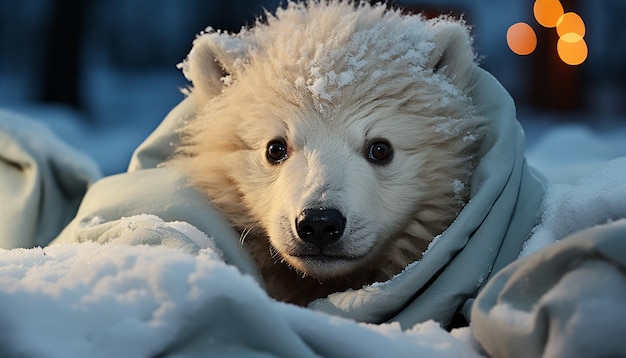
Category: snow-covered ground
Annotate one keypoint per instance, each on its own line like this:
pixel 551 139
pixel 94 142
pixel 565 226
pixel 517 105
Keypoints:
pixel 134 301
pixel 565 148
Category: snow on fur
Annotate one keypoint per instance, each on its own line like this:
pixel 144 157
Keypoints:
pixel 334 47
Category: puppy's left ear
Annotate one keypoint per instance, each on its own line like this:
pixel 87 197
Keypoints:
pixel 453 55
pixel 212 59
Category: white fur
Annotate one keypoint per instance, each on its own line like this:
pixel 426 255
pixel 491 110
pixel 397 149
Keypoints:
pixel 328 78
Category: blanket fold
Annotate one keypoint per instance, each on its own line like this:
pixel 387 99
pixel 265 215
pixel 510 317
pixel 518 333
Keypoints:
pixel 163 193
pixel 42 182
pixel 564 301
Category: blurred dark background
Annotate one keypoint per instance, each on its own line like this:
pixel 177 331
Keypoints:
pixel 106 63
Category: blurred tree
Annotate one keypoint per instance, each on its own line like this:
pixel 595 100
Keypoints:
pixel 62 70
pixel 556 86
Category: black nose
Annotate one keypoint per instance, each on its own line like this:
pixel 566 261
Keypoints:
pixel 320 226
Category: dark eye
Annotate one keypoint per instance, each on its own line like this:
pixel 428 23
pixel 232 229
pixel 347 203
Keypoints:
pixel 276 151
pixel 380 152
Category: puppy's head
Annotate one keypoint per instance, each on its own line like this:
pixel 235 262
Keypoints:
pixel 334 130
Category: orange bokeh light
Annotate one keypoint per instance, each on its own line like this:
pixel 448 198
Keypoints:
pixel 571 46
pixel 571 37
pixel 572 53
pixel 521 38
pixel 547 12
pixel 570 23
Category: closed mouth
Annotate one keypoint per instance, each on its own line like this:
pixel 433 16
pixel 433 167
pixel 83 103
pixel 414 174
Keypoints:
pixel 321 254
pixel 325 267
pixel 327 257
pixel 325 254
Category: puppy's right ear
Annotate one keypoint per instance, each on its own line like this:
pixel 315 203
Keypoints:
pixel 212 60
pixel 453 55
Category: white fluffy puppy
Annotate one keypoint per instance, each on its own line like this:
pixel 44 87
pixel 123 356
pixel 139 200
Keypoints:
pixel 338 138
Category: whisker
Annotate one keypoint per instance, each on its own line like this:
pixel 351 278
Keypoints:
pixel 274 253
pixel 244 234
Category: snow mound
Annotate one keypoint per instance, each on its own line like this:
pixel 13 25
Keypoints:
pixel 589 201
pixel 91 300
pixel 569 151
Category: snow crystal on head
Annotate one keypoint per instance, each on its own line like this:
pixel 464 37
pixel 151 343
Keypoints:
pixel 327 54
pixel 364 46
pixel 328 51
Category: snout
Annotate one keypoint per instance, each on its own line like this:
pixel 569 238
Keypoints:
pixel 320 227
